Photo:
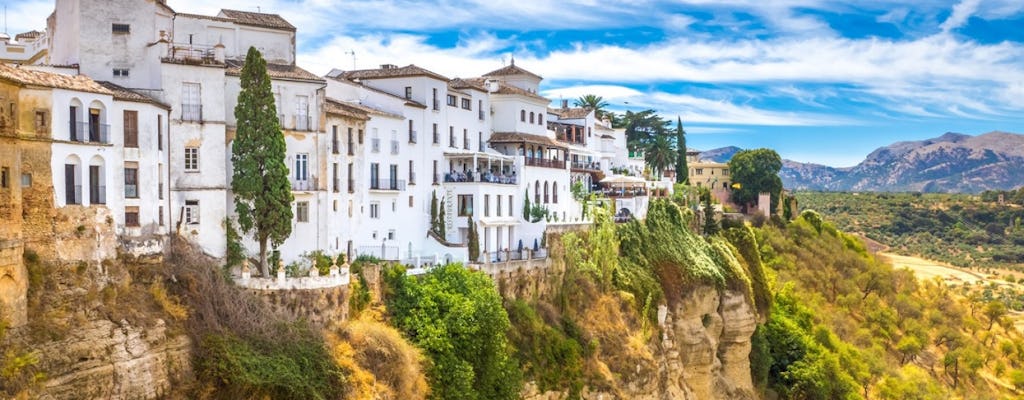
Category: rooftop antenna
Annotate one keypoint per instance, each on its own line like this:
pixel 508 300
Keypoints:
pixel 353 54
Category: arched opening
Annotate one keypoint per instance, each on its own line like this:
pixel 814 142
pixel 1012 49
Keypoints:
pixel 76 125
pixel 554 192
pixel 536 192
pixel 72 180
pixel 540 119
pixel 522 115
pixel 531 117
pixel 546 197
pixel 96 121
pixel 97 181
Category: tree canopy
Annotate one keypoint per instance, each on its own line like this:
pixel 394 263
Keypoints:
pixel 262 192
pixel 660 154
pixel 592 102
pixel 756 171
pixel 643 127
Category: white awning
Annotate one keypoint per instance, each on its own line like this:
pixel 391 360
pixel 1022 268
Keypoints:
pixel 499 221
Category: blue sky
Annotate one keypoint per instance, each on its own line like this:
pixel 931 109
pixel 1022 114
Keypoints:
pixel 818 81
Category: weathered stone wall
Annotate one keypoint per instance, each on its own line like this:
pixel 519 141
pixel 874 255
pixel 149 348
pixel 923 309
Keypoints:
pixel 318 306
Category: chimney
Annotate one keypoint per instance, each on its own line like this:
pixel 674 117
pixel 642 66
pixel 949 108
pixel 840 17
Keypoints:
pixel 218 52
pixel 388 66
pixel 565 104
pixel 492 86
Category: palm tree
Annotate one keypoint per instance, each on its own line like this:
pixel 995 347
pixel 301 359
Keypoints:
pixel 593 102
pixel 660 154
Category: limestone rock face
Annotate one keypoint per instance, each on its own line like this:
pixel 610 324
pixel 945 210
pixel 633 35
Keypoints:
pixel 106 360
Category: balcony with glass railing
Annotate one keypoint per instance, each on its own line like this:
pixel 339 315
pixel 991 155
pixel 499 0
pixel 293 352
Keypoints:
pixel 543 162
pixel 88 132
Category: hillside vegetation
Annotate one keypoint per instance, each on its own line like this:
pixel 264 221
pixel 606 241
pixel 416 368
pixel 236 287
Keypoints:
pixel 963 230
pixel 845 325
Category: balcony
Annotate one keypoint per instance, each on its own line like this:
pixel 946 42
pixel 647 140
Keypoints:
pixel 387 184
pixel 412 137
pixel 192 112
pixel 97 194
pixel 74 196
pixel 304 123
pixel 131 191
pixel 542 162
pixel 486 177
pixel 307 185
pixel 375 145
pixel 85 132
pixel 188 53
pixel 394 147
pixel 586 166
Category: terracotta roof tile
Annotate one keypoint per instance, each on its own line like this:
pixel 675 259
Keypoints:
pixel 391 71
pixel 273 21
pixel 49 79
pixel 517 137
pixel 459 83
pixel 341 108
pixel 366 109
pixel 276 71
pixel 571 113
pixel 28 35
pixel 125 94
pixel 504 88
pixel 511 70
pixel 340 78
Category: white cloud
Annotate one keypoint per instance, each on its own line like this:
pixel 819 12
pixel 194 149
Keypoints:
pixel 961 13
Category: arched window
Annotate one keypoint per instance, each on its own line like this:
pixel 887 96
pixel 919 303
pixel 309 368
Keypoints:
pixel 72 180
pixel 540 119
pixel 546 198
pixel 522 115
pixel 77 123
pixel 97 181
pixel 554 192
pixel 531 117
pixel 536 192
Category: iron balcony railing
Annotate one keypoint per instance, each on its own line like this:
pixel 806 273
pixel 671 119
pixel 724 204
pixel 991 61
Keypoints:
pixel 86 132
pixel 306 185
pixel 131 191
pixel 97 194
pixel 192 112
pixel 593 166
pixel 542 162
pixel 387 184
pixel 304 123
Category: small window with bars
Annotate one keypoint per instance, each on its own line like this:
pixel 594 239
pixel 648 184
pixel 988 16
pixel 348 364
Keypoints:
pixel 121 28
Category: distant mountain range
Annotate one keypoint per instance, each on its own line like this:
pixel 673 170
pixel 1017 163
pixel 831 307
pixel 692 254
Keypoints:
pixel 952 162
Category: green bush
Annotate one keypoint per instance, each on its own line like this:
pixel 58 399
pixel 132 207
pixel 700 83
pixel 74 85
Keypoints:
pixel 549 356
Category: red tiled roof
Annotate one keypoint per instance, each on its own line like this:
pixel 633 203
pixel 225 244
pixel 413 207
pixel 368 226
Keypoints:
pixel 125 94
pixel 341 108
pixel 273 21
pixel 459 83
pixel 571 113
pixel 518 137
pixel 504 88
pixel 391 71
pixel 48 79
pixel 511 70
pixel 276 71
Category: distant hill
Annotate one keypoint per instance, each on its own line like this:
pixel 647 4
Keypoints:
pixel 951 163
pixel 721 154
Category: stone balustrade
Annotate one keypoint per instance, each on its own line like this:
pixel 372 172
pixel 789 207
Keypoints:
pixel 338 276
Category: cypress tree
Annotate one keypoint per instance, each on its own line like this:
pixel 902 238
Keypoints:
pixel 473 240
pixel 433 213
pixel 262 192
pixel 441 225
pixel 682 170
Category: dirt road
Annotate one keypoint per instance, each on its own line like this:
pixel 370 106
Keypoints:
pixel 927 269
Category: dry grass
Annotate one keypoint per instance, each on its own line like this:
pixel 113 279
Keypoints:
pixel 169 303
pixel 381 363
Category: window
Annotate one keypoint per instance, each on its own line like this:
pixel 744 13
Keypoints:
pixel 391 234
pixel 700 171
pixel 554 192
pixel 547 198
pixel 451 136
pixel 120 28
pixel 480 109
pixel 191 102
pixel 498 202
pixel 192 159
pixel 511 211
pixel 725 171
pixel 437 176
pixel 335 145
pixel 131 216
pixel 453 101
pixel 436 105
pixel 161 215
pixel 131 129
pixel 536 193
pixel 336 182
pixel 120 72
pixel 302 167
pixel 41 122
pixel 467 104
pixel 131 180
pixel 487 205
pixel 465 205
pixel 412 173
pixel 351 144
pixel 411 202
pixel 302 120
pixel 192 212
pixel 375 209
pixel 5 176
pixel 374 176
pixel 540 119
pixel 26 180
pixel 531 117
pixel 412 133
pixel 351 181
pixel 393 176
pixel 394 205
pixel 437 137
pixel 302 211
pixel 465 139
pixel 522 115
pixel 159 132
pixel 408 92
